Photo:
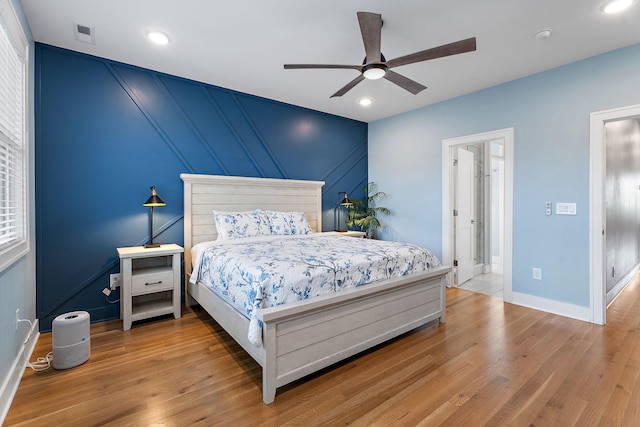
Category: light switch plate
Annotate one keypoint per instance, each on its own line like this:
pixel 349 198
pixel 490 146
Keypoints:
pixel 566 209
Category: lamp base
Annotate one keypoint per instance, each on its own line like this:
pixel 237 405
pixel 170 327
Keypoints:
pixel 152 245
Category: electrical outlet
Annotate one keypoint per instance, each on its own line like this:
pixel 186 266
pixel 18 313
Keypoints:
pixel 114 281
pixel 537 273
pixel 17 317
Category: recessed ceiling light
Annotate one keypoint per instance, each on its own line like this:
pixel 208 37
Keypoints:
pixel 365 102
pixel 542 34
pixel 616 6
pixel 158 37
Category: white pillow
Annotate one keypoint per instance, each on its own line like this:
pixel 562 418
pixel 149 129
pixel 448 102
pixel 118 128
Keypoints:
pixel 288 223
pixel 238 225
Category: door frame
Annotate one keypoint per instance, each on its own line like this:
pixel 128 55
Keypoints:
pixel 597 210
pixel 507 135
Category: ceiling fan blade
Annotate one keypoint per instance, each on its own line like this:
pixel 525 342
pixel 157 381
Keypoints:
pixel 404 82
pixel 348 86
pixel 307 66
pixel 462 46
pixel 371 28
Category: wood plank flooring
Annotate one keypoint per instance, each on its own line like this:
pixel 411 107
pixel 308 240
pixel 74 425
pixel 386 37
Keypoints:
pixel 492 364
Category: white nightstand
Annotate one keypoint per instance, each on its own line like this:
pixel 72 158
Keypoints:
pixel 150 282
pixel 348 233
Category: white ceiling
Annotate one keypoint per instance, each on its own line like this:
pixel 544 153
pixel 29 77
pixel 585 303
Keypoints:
pixel 242 45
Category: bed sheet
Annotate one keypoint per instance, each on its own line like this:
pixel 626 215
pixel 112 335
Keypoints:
pixel 268 271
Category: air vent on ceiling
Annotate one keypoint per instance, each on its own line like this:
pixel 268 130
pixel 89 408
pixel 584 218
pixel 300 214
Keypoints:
pixel 84 33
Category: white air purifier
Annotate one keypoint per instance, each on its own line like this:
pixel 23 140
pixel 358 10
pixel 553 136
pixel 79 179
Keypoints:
pixel 71 340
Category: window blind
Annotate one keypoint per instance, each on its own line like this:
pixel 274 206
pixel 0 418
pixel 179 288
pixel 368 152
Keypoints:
pixel 12 143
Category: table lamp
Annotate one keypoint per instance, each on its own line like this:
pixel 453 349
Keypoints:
pixel 152 202
pixel 343 201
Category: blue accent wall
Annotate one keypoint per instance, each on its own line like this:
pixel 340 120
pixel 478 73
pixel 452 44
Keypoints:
pixel 107 131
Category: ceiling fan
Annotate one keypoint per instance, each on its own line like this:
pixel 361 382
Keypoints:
pixel 375 66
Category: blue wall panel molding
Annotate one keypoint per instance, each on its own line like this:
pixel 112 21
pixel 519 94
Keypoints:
pixel 107 131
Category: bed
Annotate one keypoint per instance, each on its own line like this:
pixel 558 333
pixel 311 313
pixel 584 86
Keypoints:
pixel 302 337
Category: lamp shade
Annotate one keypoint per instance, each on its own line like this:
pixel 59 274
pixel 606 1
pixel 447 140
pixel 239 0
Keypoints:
pixel 154 200
pixel 346 201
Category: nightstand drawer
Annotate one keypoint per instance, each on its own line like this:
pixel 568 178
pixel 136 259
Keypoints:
pixel 144 283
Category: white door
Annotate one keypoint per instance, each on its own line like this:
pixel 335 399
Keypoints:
pixel 463 219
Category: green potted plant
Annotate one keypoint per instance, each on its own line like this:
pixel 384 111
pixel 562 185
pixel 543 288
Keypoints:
pixel 364 213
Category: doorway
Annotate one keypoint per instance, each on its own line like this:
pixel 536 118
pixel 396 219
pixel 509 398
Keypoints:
pixel 477 211
pixel 600 227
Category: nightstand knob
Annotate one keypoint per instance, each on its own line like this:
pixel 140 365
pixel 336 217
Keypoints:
pixel 153 283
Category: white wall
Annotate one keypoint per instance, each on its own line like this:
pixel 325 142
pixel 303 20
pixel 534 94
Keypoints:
pixel 550 114
pixel 18 282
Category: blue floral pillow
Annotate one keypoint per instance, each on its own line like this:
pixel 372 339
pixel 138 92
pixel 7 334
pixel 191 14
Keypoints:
pixel 288 223
pixel 238 225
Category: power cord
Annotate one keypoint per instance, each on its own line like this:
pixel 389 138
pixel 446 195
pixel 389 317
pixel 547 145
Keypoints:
pixel 41 363
pixel 107 292
pixel 112 302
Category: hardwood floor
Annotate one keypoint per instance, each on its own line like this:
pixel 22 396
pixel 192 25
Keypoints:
pixel 492 364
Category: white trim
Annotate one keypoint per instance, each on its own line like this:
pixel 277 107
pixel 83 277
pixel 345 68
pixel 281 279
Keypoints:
pixel 552 306
pixel 597 236
pixel 12 381
pixel 507 135
pixel 622 283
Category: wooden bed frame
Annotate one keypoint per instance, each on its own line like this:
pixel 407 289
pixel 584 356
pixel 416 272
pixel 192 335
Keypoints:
pixel 306 336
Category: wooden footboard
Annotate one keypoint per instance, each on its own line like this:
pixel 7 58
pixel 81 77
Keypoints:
pixel 306 336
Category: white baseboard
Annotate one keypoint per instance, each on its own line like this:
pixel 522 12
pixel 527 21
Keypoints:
pixel 613 293
pixel 11 383
pixel 550 306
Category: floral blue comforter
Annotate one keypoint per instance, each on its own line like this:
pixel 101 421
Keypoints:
pixel 268 271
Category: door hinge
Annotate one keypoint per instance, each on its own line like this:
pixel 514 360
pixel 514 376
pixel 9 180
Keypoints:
pixel 455 262
pixel 455 212
pixel 455 162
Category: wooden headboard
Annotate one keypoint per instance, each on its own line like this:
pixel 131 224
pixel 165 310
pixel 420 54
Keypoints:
pixel 205 193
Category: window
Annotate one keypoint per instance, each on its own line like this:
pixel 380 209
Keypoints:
pixel 14 238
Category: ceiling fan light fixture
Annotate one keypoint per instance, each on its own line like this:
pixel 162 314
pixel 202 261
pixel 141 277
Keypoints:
pixel 374 71
pixel 616 6
pixel 375 66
